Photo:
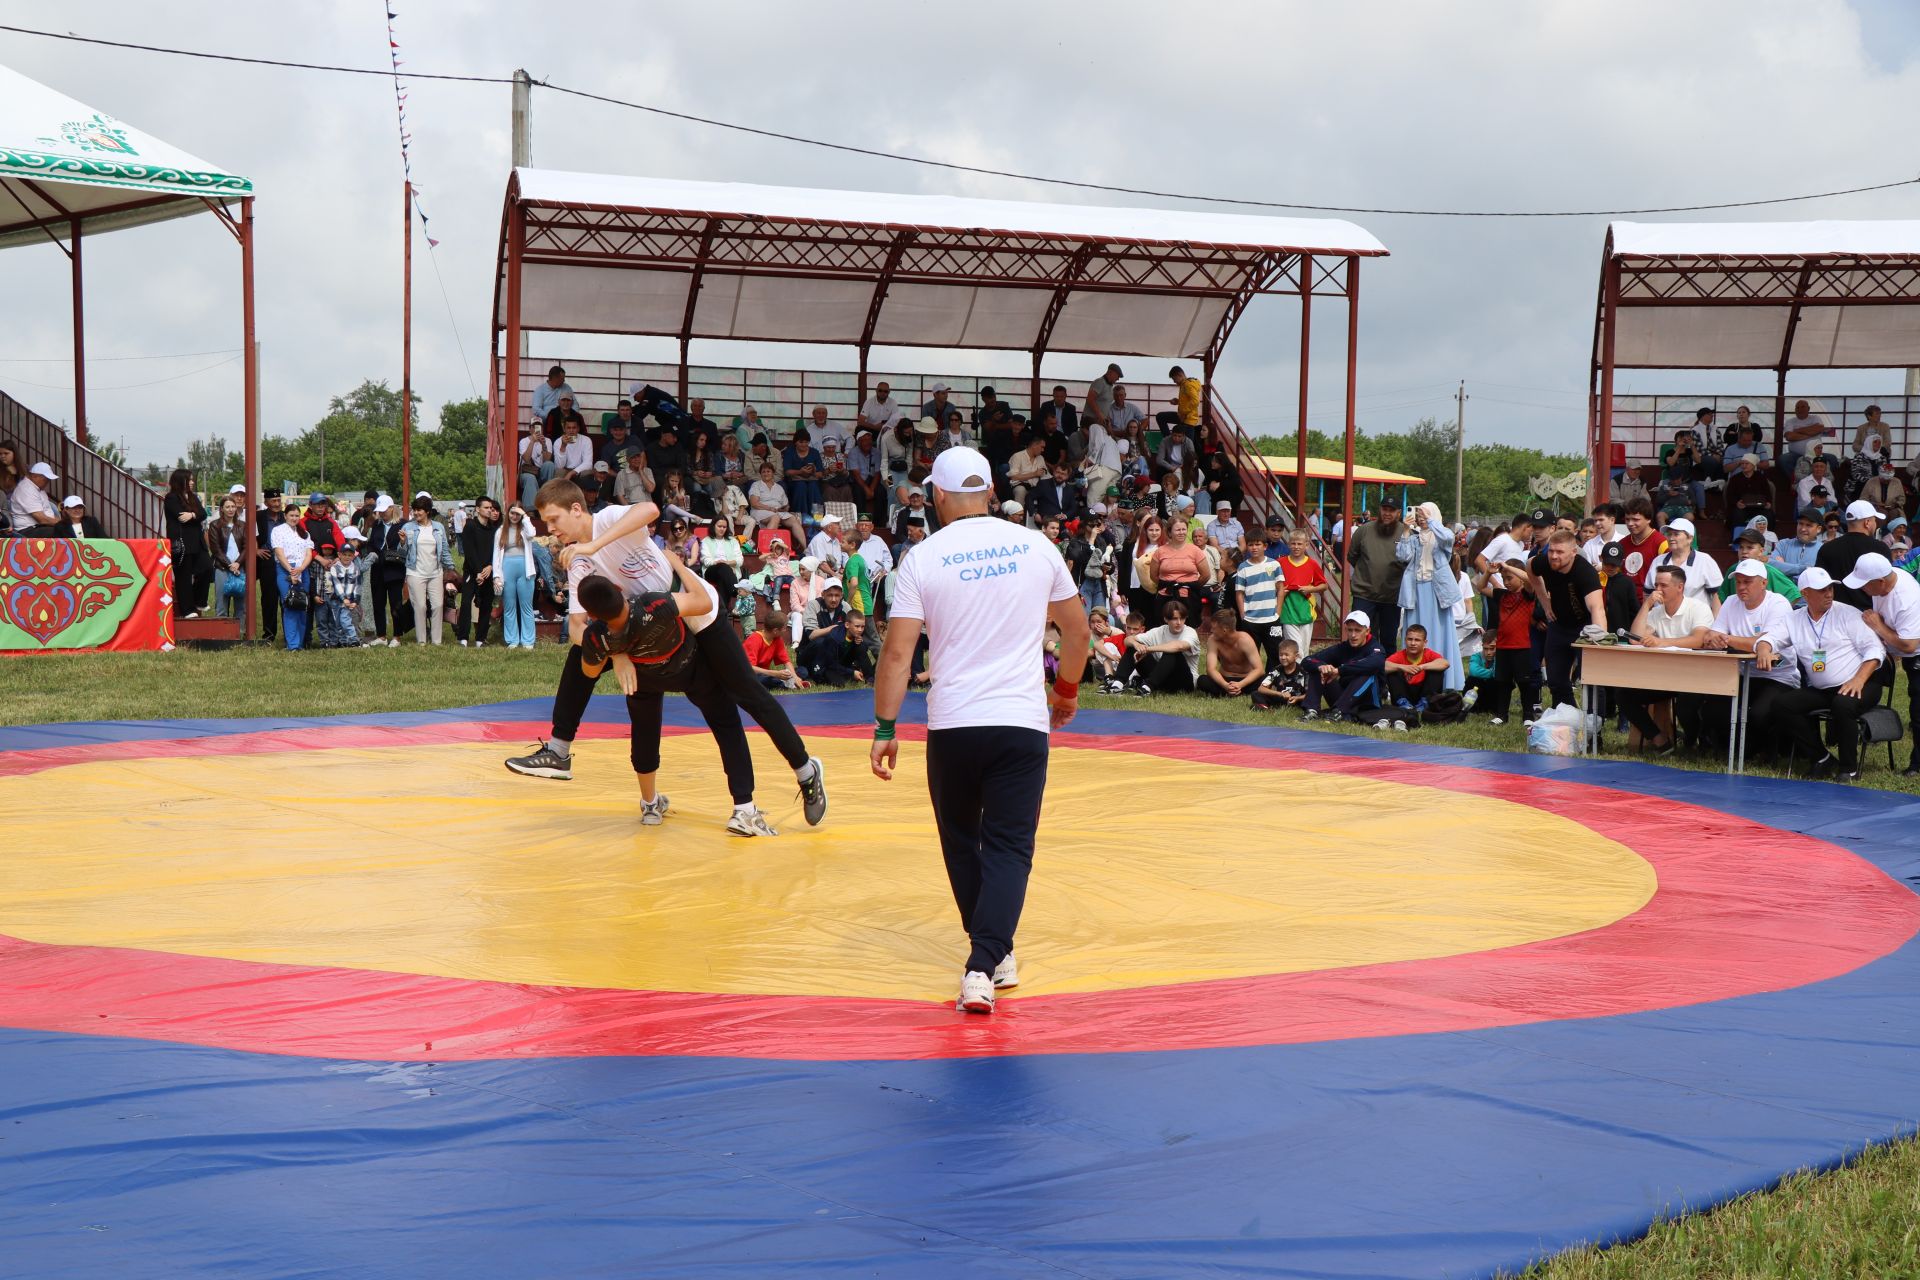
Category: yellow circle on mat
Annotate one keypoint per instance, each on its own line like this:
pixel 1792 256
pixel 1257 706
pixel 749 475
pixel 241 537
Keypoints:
pixel 436 860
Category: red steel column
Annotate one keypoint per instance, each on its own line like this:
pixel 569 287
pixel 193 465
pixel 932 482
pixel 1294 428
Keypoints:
pixel 406 346
pixel 79 337
pixel 1306 350
pixel 1603 449
pixel 510 394
pixel 250 388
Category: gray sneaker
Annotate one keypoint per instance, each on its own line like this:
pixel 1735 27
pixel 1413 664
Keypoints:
pixel 750 822
pixel 543 762
pixel 813 793
pixel 653 812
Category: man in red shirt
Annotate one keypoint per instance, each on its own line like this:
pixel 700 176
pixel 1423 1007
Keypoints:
pixel 1407 670
pixel 1642 544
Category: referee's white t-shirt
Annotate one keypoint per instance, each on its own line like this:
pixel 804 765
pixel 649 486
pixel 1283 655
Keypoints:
pixel 633 563
pixel 981 587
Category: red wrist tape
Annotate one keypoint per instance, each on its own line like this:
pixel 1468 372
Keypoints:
pixel 1066 688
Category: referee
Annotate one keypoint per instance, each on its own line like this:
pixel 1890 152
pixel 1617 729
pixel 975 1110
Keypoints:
pixel 983 590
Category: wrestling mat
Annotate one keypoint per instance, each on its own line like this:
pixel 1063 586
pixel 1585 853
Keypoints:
pixel 342 997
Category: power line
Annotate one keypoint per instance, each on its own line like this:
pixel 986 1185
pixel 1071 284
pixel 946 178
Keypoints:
pixel 952 166
pixel 92 359
pixel 129 386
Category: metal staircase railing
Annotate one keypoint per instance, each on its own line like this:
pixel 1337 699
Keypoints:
pixel 125 506
pixel 1264 493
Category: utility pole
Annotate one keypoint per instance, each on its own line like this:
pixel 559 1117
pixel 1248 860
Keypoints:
pixel 1460 453
pixel 406 346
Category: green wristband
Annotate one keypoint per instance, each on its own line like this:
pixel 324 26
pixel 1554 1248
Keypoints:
pixel 883 730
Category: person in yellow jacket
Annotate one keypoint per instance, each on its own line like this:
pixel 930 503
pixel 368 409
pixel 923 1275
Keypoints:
pixel 1185 416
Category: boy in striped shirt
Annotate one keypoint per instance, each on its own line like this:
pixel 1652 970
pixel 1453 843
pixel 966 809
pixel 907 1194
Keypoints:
pixel 1256 589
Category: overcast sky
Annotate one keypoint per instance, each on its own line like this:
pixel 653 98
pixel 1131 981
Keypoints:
pixel 1532 104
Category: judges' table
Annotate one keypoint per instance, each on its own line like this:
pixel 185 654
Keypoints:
pixel 91 593
pixel 1715 673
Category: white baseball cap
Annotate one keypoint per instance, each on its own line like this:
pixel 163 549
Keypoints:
pixel 423 494
pixel 962 470
pixel 382 505
pixel 1359 617
pixel 42 469
pixel 1097 509
pixel 938 387
pixel 1870 567
pixel 1814 578
pixel 239 488
pixel 828 519
pixel 73 500
pixel 827 584
pixel 352 534
pixel 1749 569
pixel 1861 509
pixel 1682 524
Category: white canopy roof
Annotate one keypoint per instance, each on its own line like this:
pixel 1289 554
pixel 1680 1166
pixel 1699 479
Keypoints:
pixel 1764 295
pixel 60 158
pixel 611 254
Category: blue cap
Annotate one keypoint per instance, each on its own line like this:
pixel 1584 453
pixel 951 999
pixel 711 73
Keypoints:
pixel 318 497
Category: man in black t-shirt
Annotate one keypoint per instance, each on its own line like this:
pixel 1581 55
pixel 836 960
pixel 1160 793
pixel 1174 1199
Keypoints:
pixel 646 639
pixel 1839 556
pixel 1568 588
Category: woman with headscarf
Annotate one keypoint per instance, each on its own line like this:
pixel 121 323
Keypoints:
pixel 1864 466
pixel 1430 588
pixel 1886 491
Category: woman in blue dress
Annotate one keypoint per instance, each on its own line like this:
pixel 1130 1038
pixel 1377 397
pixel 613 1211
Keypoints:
pixel 1430 589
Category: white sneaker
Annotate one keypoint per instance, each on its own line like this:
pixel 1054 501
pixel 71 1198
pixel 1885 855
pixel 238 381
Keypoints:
pixel 976 993
pixel 1497 720
pixel 653 812
pixel 750 822
pixel 1400 726
pixel 1006 974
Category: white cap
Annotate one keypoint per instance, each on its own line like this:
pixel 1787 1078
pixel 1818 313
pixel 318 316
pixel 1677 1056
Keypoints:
pixel 1011 508
pixel 352 534
pixel 962 470
pixel 1681 524
pixel 602 465
pixel 42 469
pixel 1814 578
pixel 382 505
pixel 239 488
pixel 1219 507
pixel 1870 567
pixel 827 584
pixel 72 500
pixel 1861 509
pixel 938 387
pixel 828 519
pixel 1749 569
pixel 1097 509
pixel 423 494
pixel 1359 617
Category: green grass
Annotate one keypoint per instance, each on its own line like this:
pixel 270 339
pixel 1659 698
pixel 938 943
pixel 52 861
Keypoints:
pixel 1861 1221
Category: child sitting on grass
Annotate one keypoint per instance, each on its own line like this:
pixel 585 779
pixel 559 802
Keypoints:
pixel 1407 670
pixel 768 654
pixel 1286 684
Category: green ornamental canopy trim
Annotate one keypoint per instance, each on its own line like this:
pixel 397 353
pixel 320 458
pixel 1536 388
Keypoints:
pixel 120 173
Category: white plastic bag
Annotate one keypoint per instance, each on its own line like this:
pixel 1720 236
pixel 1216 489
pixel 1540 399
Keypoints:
pixel 1557 733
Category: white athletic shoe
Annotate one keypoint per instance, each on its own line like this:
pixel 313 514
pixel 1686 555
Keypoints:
pixel 1400 726
pixel 750 822
pixel 653 812
pixel 1006 974
pixel 976 993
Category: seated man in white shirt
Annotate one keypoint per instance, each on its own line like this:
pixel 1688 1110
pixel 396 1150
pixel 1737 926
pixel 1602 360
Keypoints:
pixel 1757 621
pixel 824 429
pixel 1669 618
pixel 1838 654
pixel 1895 621
pixel 32 510
pixel 1027 468
pixel 825 545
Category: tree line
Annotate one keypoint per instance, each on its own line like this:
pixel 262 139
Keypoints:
pixel 355 447
pixel 1496 474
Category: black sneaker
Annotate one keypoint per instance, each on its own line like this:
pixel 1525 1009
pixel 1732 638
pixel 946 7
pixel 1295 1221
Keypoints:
pixel 1913 767
pixel 543 762
pixel 813 793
